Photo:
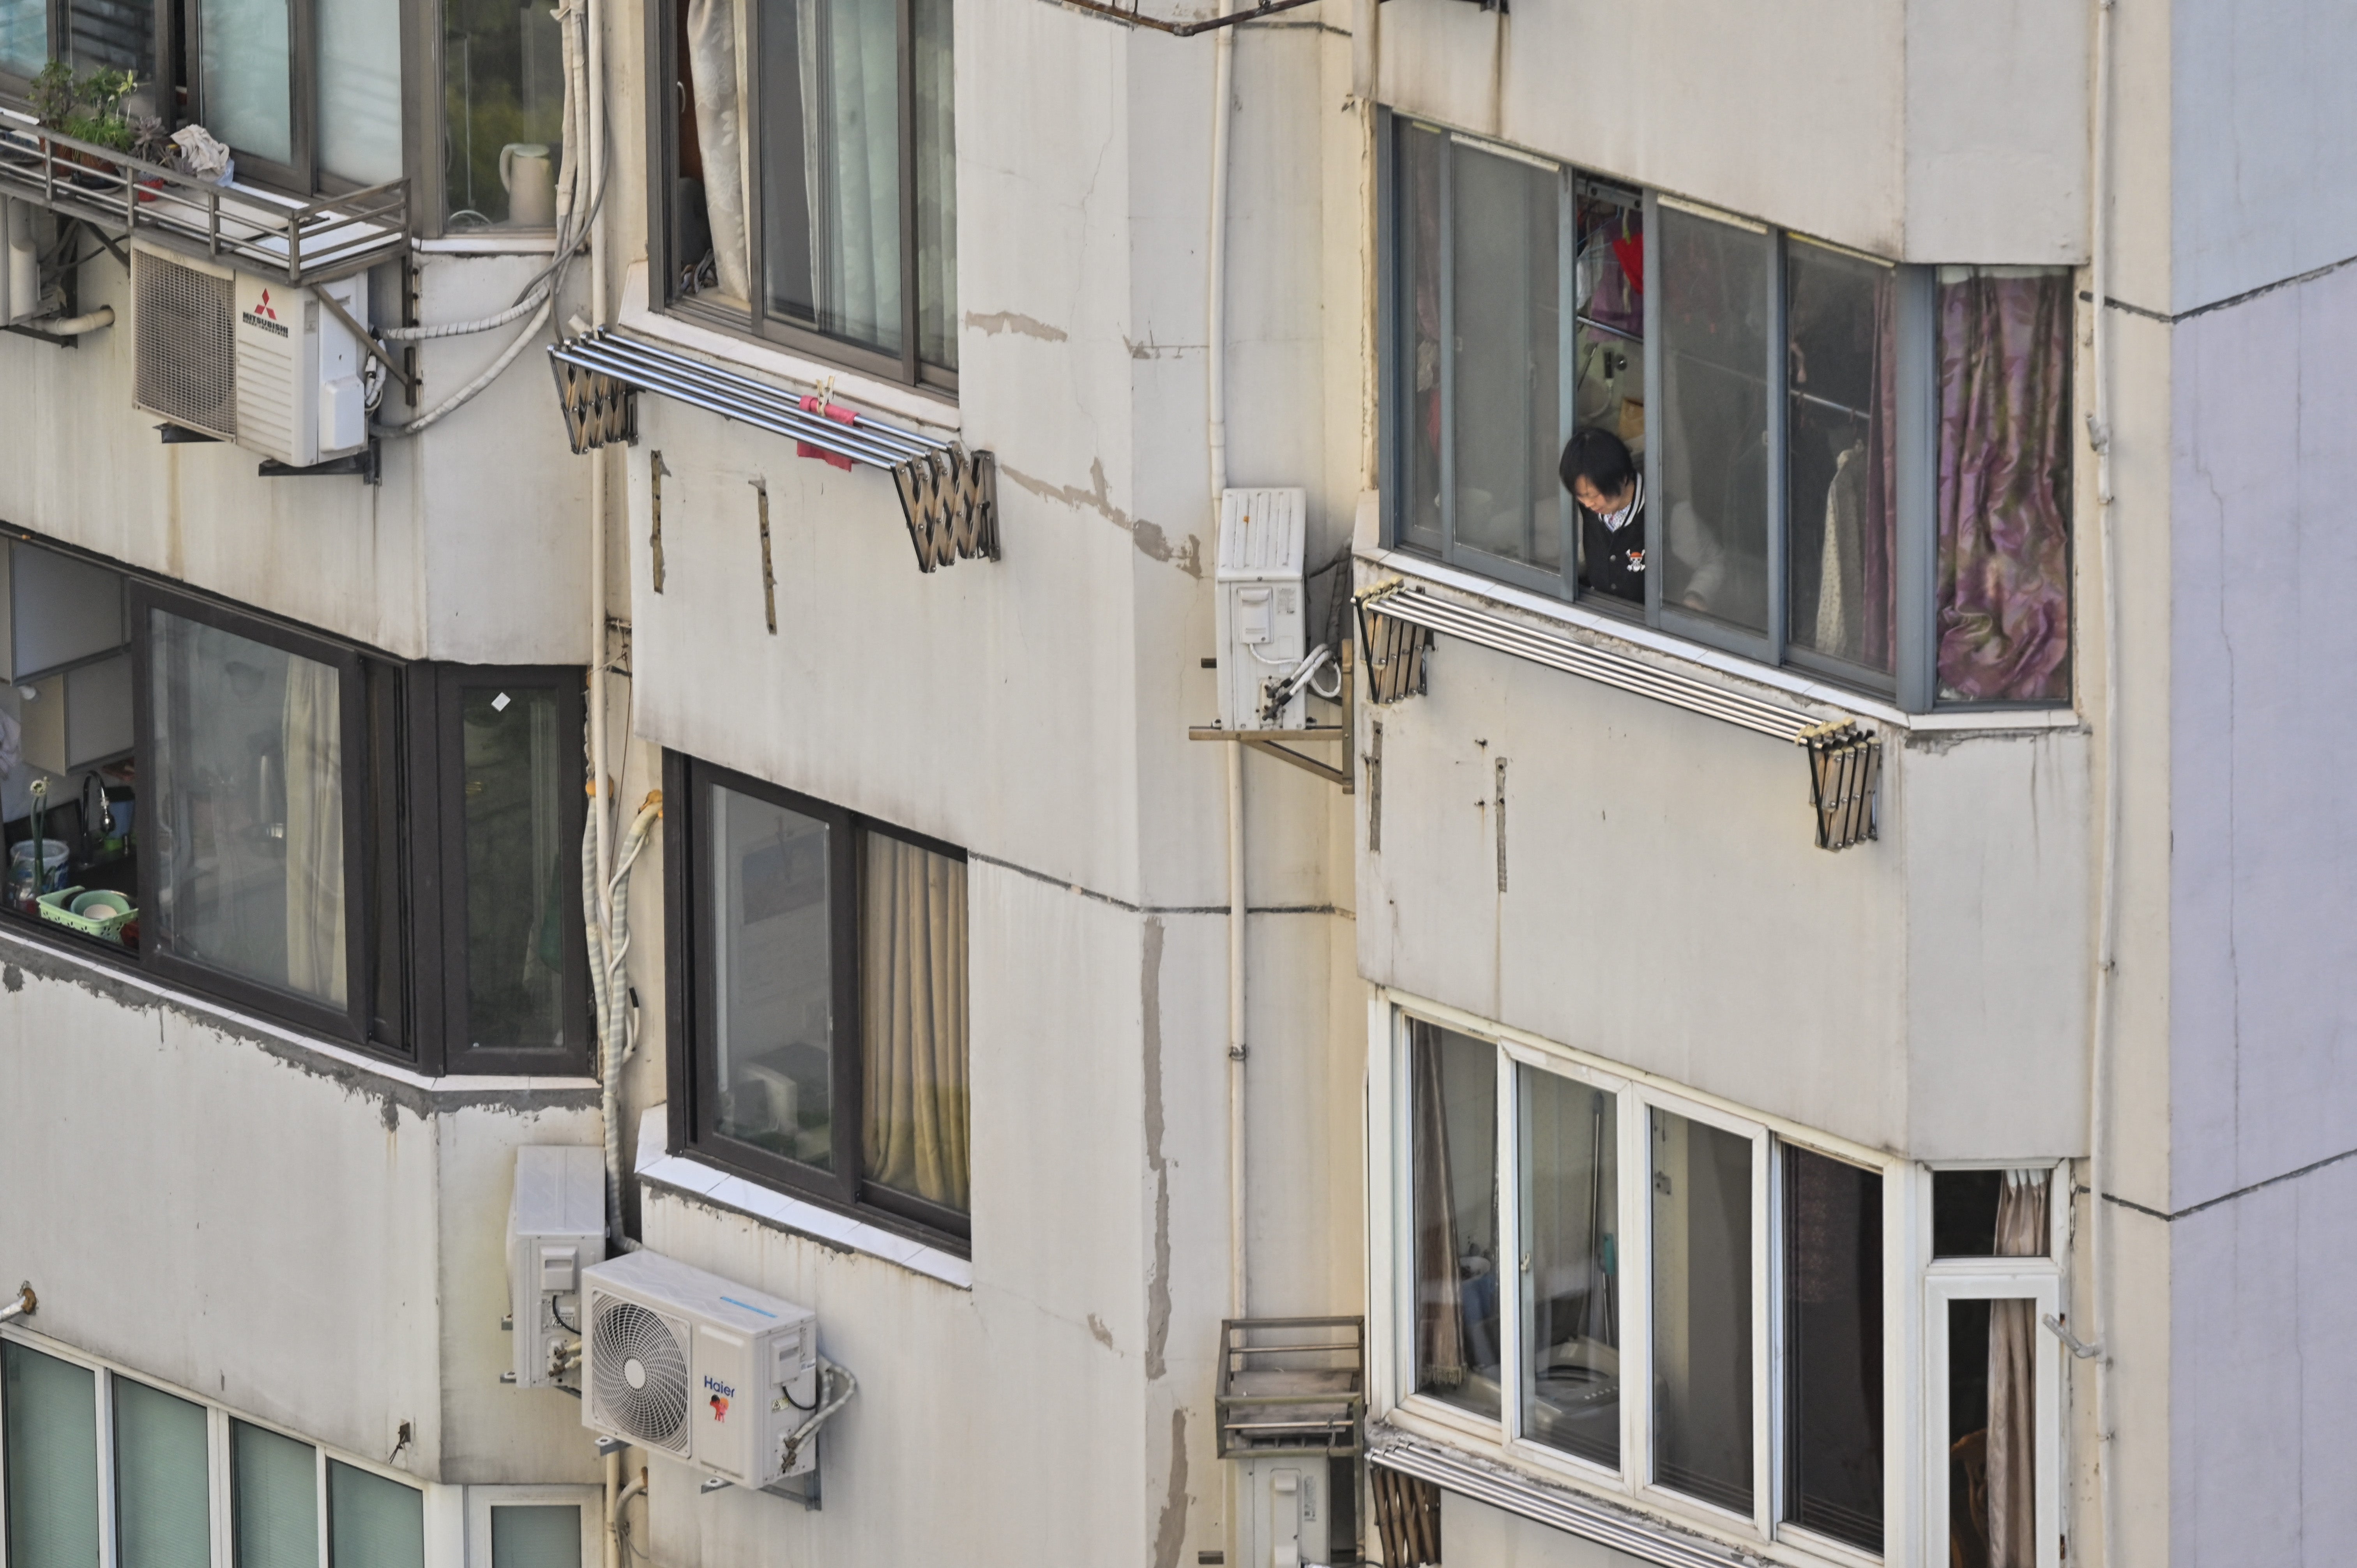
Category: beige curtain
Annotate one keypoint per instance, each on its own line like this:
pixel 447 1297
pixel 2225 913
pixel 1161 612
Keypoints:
pixel 315 832
pixel 913 1020
pixel 716 72
pixel 2012 1387
pixel 1439 1300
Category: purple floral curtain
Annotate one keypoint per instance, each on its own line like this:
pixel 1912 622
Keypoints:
pixel 2005 476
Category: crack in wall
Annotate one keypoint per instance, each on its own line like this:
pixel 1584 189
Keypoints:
pixel 1152 541
pixel 1157 1279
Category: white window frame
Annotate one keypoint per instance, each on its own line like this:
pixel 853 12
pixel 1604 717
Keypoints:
pixel 481 1500
pixel 1391 1296
pixel 442 1534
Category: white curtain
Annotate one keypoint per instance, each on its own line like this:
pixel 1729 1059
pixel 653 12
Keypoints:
pixel 851 133
pixel 243 63
pixel 714 56
pixel 315 832
pixel 359 89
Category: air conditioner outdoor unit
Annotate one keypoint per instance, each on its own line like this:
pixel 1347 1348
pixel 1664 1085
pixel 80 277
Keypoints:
pixel 249 359
pixel 688 1364
pixel 1261 615
pixel 556 1229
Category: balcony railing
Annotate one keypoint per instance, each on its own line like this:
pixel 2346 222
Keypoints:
pixel 302 242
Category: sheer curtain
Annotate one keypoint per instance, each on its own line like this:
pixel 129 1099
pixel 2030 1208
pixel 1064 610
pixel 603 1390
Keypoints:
pixel 936 126
pixel 243 59
pixel 913 1020
pixel 717 80
pixel 851 141
pixel 1440 1302
pixel 359 89
pixel 2005 473
pixel 315 832
pixel 23 36
pixel 2012 1404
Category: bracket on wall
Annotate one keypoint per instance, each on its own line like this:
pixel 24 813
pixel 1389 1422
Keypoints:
pixel 362 463
pixel 1844 767
pixel 1394 647
pixel 1266 740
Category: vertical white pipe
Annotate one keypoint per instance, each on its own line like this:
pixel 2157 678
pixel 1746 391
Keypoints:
pixel 1215 359
pixel 2099 1068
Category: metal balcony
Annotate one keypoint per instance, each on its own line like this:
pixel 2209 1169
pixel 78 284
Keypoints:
pixel 302 242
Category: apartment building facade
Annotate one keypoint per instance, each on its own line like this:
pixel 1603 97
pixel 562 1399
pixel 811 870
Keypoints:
pixel 644 611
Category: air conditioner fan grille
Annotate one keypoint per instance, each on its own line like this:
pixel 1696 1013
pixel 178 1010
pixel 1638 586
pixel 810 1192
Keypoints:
pixel 186 361
pixel 638 1372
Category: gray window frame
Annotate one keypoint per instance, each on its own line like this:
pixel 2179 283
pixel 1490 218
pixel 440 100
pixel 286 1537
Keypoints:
pixel 1913 684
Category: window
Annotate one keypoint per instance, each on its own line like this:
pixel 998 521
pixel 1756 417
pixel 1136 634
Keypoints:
pixel 1708 1334
pixel 533 1527
pixel 810 176
pixel 503 107
pixel 1738 434
pixel 385 854
pixel 167 1459
pixel 819 976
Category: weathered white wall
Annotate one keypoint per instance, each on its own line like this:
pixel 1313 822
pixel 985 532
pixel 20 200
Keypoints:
pixel 297 1237
pixel 1924 129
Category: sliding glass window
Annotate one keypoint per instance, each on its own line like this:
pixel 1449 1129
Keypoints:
pixel 1759 441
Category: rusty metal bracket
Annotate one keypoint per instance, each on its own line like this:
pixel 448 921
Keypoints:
pixel 599 409
pixel 1395 647
pixel 950 499
pixel 1845 778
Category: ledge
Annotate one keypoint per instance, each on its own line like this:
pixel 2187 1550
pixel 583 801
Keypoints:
pixel 1674 652
pixel 421 1095
pixel 691 1177
pixel 802 375
pixel 1558 1508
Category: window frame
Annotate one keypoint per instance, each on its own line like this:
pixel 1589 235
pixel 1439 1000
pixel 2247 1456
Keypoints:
pixel 757 321
pixel 1911 684
pixel 482 1500
pixel 447 717
pixel 1944 1282
pixel 351 1025
pixel 689 977
pixel 1640 1094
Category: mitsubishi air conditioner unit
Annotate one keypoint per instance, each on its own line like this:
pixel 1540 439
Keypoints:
pixel 249 359
pixel 1261 615
pixel 688 1364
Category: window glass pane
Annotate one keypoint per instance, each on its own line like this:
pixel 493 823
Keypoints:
pixel 1604 469
pixel 936 123
pixel 373 1522
pixel 1833 1347
pixel 714 252
pixel 276 1486
pixel 1702 1311
pixel 830 108
pixel 1454 1104
pixel 247 785
pixel 772 978
pixel 1993 1434
pixel 913 1019
pixel 2005 484
pixel 163 1514
pixel 243 55
pixel 52 1430
pixel 1715 418
pixel 538 1535
pixel 1505 219
pixel 1422 155
pixel 521 862
pixel 1841 525
pixel 113 34
pixel 1989 1214
pixel 1571 1374
pixel 23 36
pixel 388 855
pixel 503 112
pixel 359 89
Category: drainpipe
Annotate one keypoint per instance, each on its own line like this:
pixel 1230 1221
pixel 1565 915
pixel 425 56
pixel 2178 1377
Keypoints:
pixel 1215 359
pixel 2099 1070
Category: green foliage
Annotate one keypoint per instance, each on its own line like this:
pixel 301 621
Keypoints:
pixel 90 108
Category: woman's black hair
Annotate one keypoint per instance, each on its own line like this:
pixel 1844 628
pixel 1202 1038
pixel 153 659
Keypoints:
pixel 1600 458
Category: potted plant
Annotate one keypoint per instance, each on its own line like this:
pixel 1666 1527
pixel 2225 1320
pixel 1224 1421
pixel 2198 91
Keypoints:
pixel 88 109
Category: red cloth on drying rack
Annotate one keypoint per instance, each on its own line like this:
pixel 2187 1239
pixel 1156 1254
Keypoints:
pixel 832 410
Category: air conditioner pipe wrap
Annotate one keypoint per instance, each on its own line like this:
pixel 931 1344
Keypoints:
pixel 609 988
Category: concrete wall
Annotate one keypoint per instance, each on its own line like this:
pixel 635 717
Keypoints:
pixel 208 1202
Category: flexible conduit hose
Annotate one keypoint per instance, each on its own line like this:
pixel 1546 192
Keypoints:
pixel 609 988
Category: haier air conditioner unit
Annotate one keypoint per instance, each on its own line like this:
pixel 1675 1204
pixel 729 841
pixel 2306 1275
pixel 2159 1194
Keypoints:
pixel 708 1371
pixel 1261 616
pixel 249 359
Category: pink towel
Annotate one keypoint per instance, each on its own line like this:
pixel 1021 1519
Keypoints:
pixel 832 410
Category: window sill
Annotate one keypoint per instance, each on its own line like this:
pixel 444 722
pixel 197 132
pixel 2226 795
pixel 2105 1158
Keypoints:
pixel 800 374
pixel 686 1174
pixel 122 982
pixel 1555 615
pixel 1558 1507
